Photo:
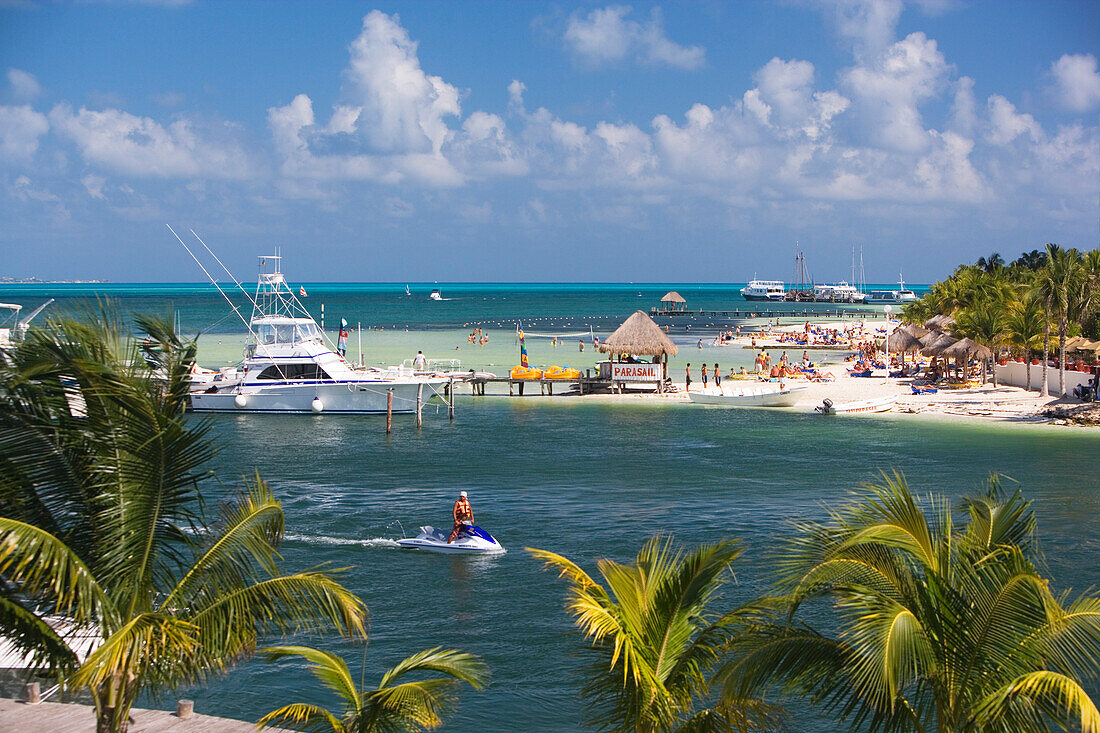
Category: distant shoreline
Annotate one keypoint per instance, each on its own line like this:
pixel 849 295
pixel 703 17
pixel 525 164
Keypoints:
pixel 37 281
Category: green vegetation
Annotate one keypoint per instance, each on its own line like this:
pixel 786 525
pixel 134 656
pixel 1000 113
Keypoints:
pixel 394 705
pixel 934 624
pixel 101 523
pixel 1055 290
pixel 655 639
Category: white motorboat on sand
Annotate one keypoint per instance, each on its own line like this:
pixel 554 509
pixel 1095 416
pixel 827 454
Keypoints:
pixel 878 404
pixel 760 394
pixel 471 540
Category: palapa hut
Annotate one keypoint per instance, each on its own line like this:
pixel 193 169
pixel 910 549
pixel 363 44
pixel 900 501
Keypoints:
pixel 640 336
pixel 902 341
pixel 912 329
pixel 673 299
pixel 938 323
pixel 963 349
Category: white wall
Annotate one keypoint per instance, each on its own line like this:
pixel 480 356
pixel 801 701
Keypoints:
pixel 1015 374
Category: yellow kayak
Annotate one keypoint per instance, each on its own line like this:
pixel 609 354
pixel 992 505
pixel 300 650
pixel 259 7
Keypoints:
pixel 521 372
pixel 556 372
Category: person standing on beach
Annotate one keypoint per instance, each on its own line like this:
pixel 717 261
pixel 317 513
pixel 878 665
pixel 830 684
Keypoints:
pixel 687 382
pixel 462 513
pixel 581 342
pixel 420 363
pixel 717 376
pixel 703 374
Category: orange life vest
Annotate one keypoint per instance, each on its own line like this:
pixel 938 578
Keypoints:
pixel 462 510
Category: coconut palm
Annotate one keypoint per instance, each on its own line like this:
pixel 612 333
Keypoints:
pixel 101 522
pixel 396 704
pixel 1033 260
pixel 994 263
pixel 1024 326
pixel 938 626
pixel 653 638
pixel 1062 283
pixel 985 324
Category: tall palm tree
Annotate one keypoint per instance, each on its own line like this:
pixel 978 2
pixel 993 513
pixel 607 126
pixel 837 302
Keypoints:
pixel 1033 260
pixel 101 522
pixel 933 626
pixel 396 704
pixel 1062 283
pixel 1024 326
pixel 654 639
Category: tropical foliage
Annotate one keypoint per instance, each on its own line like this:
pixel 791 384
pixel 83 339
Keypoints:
pixel 930 621
pixel 398 703
pixel 1056 288
pixel 102 524
pixel 654 639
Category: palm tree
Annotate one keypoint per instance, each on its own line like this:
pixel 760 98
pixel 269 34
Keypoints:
pixel 1033 260
pixel 654 639
pixel 1062 283
pixel 994 263
pixel 938 627
pixel 101 522
pixel 394 705
pixel 985 324
pixel 1024 325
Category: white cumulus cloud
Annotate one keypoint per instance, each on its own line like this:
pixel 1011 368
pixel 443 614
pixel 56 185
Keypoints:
pixel 25 87
pixel 142 147
pixel 1077 82
pixel 20 128
pixel 607 35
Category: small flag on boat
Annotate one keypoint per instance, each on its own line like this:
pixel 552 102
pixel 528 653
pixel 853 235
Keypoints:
pixel 522 350
pixel 302 291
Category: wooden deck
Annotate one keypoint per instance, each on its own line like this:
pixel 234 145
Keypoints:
pixel 53 717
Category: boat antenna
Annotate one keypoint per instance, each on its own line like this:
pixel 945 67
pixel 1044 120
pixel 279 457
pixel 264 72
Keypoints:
pixel 210 278
pixel 227 272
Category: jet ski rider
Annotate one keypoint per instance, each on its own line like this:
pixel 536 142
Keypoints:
pixel 462 513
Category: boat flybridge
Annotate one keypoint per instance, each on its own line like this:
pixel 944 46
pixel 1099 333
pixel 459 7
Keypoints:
pixel 289 367
pixel 12 328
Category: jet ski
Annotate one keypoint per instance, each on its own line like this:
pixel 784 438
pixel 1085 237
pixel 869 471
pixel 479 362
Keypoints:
pixel 471 539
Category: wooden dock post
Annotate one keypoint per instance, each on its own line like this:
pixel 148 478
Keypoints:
pixel 185 709
pixel 451 399
pixel 419 404
pixel 32 695
pixel 389 412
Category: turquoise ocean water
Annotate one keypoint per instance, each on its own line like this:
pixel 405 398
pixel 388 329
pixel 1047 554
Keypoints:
pixel 585 479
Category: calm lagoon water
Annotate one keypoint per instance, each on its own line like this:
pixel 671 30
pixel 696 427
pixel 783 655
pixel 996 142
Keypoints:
pixel 582 478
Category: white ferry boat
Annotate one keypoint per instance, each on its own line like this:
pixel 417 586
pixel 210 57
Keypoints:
pixel 886 297
pixel 288 367
pixel 840 292
pixel 764 290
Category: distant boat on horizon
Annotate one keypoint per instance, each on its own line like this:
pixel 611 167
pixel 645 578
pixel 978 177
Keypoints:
pixel 435 295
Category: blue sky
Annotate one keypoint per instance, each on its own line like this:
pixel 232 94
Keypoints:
pixel 545 141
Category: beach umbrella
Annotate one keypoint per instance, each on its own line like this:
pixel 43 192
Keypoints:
pixel 935 343
pixel 913 329
pixel 963 349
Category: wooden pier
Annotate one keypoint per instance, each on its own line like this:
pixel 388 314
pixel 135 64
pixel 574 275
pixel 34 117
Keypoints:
pixel 56 717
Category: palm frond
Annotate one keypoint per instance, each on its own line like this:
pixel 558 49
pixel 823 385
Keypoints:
pixel 330 669
pixel 303 717
pixel 1054 693
pixel 30 635
pixel 451 662
pixel 148 645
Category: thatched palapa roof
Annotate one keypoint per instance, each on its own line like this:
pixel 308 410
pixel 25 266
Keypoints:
pixel 673 297
pixel 639 335
pixel 938 323
pixel 901 340
pixel 964 349
pixel 913 329
pixel 935 342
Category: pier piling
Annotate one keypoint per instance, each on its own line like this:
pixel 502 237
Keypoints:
pixel 389 412
pixel 185 709
pixel 32 695
pixel 419 404
pixel 451 399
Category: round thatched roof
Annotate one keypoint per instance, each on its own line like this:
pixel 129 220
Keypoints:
pixel 673 297
pixel 934 346
pixel 901 340
pixel 964 349
pixel 913 329
pixel 639 335
pixel 938 323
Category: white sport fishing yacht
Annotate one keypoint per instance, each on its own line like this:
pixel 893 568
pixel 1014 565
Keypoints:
pixel 902 295
pixel 764 290
pixel 840 292
pixel 288 367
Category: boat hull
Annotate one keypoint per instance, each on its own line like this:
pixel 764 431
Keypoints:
pixel 764 398
pixel 431 539
pixel 881 404
pixel 359 397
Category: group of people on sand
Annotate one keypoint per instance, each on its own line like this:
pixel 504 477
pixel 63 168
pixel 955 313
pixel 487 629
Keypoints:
pixel 715 374
pixel 477 337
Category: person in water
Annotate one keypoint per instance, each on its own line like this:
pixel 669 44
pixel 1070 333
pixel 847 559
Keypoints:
pixel 342 339
pixel 462 512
